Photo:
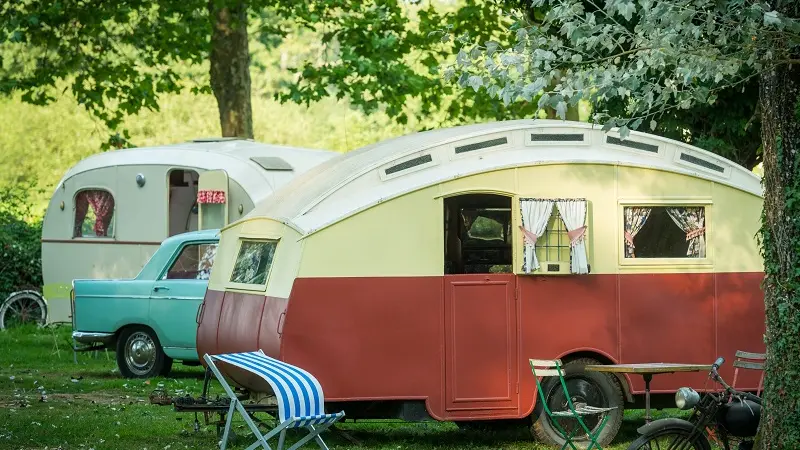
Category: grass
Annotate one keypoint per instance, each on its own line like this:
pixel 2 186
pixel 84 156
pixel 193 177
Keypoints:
pixel 49 401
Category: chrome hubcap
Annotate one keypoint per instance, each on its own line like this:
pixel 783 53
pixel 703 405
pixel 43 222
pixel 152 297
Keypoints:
pixel 140 353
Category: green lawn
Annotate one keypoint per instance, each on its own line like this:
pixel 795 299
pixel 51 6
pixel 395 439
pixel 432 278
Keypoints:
pixel 48 401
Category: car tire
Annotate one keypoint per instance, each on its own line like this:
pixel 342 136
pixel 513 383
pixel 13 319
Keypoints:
pixel 139 354
pixel 603 390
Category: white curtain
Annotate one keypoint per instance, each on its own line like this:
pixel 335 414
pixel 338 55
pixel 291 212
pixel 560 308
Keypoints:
pixel 535 214
pixel 692 221
pixel 573 212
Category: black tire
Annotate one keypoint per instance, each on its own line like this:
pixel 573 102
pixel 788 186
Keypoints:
pixel 662 438
pixel 22 308
pixel 595 388
pixel 139 354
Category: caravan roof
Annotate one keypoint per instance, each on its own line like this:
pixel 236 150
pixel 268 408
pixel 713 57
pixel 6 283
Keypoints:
pixel 375 173
pixel 258 168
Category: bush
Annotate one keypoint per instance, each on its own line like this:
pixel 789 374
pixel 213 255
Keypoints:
pixel 20 241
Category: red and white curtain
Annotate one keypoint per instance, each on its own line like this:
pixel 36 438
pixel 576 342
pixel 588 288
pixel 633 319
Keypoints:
pixel 635 217
pixel 692 220
pixel 102 203
pixel 573 213
pixel 535 215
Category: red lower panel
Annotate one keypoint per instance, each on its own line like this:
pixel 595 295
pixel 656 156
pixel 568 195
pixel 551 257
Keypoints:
pixel 386 338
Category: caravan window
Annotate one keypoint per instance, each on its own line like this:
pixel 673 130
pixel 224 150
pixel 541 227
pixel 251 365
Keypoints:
pixel 94 214
pixel 664 231
pixel 554 234
pixel 254 262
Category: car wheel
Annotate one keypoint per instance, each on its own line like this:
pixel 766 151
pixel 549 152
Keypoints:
pixel 139 353
pixel 22 308
pixel 593 388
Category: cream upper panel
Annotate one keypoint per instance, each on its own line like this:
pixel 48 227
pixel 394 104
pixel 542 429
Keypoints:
pixel 284 264
pixel 404 236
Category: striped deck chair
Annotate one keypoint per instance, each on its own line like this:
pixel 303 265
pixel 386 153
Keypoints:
pixel 301 403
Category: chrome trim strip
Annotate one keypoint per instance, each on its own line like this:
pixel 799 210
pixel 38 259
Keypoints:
pixel 88 338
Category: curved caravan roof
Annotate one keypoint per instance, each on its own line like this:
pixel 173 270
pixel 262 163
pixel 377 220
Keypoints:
pixel 370 175
pixel 258 168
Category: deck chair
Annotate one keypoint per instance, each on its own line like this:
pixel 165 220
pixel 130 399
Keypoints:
pixel 553 368
pixel 301 403
pixel 752 361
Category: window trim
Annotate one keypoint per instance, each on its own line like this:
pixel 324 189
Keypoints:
pixel 246 286
pixel 177 252
pixel 112 225
pixel 519 246
pixel 671 263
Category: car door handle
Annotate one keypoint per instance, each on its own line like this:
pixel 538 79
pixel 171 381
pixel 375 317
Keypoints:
pixel 160 288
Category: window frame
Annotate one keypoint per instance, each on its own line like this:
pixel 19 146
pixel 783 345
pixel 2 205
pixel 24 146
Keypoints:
pixel 177 253
pixel 112 225
pixel 671 263
pixel 247 286
pixel 518 240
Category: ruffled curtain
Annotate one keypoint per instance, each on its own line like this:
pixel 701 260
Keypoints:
pixel 535 214
pixel 573 213
pixel 81 208
pixel 103 205
pixel 692 221
pixel 635 217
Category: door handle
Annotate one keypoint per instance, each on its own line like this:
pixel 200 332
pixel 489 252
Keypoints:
pixel 160 288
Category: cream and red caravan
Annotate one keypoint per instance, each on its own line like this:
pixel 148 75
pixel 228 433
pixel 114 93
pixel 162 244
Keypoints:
pixel 415 277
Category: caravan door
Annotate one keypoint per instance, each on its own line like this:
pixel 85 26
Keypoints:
pixel 212 199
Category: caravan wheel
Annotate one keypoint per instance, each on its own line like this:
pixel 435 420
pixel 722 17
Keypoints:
pixel 21 308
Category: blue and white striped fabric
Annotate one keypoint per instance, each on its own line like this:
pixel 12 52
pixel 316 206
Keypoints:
pixel 298 393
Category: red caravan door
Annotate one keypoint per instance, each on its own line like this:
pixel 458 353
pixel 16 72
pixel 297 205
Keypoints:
pixel 481 345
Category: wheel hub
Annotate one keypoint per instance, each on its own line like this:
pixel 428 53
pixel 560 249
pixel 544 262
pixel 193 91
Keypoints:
pixel 140 353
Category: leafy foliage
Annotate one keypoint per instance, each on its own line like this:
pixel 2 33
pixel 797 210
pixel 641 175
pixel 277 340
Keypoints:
pixel 635 62
pixel 20 246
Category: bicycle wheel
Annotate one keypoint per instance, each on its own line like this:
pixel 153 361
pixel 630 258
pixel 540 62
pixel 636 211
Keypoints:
pixel 671 439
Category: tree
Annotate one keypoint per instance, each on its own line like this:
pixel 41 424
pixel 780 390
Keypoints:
pixel 657 59
pixel 119 57
pixel 399 63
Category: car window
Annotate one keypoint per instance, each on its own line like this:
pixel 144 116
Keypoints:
pixel 193 263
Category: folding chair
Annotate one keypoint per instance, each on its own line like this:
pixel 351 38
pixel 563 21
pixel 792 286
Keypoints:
pixel 301 403
pixel 552 368
pixel 756 362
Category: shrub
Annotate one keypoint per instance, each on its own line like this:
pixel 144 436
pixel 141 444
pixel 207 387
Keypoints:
pixel 20 241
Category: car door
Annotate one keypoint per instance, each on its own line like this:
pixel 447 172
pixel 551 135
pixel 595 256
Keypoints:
pixel 177 293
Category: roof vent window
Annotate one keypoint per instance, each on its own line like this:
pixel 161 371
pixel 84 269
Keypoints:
pixel 481 145
pixel 632 144
pixel 702 162
pixel 405 165
pixel 573 137
pixel 272 163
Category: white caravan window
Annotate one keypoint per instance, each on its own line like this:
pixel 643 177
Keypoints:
pixel 94 214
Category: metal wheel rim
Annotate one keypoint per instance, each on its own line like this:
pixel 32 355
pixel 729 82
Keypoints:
pixel 140 353
pixel 20 310
pixel 582 390
pixel 668 441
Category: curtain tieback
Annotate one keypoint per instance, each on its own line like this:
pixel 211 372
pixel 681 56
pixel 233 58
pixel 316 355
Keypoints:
pixel 629 239
pixel 576 235
pixel 695 233
pixel 529 236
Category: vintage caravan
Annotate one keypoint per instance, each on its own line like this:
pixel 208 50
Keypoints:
pixel 415 277
pixel 111 211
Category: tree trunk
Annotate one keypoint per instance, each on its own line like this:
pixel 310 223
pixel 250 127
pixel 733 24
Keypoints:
pixel 780 242
pixel 230 66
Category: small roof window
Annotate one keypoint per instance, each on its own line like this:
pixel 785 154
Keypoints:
pixel 272 163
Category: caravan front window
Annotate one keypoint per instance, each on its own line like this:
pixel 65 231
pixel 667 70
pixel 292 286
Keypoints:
pixel 253 262
pixel 94 214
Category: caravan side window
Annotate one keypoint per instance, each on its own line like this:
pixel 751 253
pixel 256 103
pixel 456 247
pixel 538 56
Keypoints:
pixel 554 235
pixel 664 231
pixel 94 214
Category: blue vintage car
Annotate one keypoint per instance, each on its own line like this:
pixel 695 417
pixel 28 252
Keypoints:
pixel 150 320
